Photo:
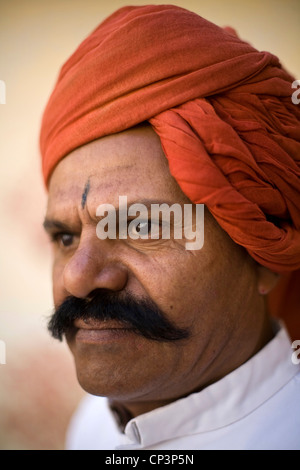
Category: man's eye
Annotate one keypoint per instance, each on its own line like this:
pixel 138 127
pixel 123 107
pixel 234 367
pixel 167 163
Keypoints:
pixel 139 229
pixel 143 230
pixel 64 239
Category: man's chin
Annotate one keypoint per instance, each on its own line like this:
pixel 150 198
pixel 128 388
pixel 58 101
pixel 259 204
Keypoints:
pixel 125 369
pixel 106 363
pixel 113 382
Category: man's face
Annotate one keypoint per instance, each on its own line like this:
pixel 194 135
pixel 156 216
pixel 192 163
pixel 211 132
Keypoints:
pixel 198 291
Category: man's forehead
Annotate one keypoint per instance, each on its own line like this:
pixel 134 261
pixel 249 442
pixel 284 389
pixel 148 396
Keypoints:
pixel 79 183
pixel 131 163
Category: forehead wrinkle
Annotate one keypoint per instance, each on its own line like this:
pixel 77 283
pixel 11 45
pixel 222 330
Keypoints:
pixel 108 188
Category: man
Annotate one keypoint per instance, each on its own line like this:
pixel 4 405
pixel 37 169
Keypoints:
pixel 175 347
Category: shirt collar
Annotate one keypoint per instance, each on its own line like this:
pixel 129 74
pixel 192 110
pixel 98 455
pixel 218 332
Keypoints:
pixel 221 403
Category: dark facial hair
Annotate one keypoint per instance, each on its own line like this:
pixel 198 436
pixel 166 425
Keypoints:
pixel 140 314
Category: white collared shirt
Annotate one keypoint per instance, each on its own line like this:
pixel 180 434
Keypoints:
pixel 257 406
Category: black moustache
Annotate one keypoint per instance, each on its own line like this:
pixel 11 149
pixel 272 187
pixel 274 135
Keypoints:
pixel 140 314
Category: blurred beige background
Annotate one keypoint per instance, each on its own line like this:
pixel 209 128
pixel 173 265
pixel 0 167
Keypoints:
pixel 38 387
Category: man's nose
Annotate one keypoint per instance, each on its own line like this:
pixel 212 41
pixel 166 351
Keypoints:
pixel 94 265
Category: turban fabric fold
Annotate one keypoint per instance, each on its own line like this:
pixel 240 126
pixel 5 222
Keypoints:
pixel 224 115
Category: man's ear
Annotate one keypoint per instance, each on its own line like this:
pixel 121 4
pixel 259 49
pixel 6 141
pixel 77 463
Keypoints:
pixel 266 280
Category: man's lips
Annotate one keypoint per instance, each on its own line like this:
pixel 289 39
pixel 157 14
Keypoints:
pixel 95 331
pixel 92 324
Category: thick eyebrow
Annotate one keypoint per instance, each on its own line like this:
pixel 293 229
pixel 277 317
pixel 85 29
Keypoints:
pixel 51 224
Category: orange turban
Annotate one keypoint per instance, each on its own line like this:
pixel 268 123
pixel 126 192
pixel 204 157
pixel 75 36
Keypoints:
pixel 222 110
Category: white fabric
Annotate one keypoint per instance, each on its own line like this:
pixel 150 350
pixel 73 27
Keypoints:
pixel 257 406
